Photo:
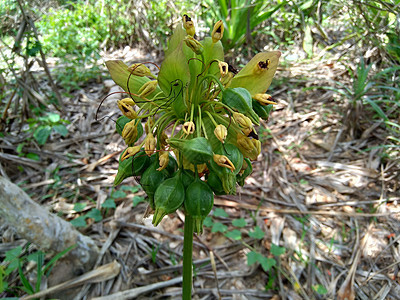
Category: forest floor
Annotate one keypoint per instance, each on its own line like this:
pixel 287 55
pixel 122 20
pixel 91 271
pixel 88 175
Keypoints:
pixel 322 190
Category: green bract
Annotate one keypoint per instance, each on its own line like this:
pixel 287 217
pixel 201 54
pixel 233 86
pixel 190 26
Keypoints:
pixel 200 112
pixel 168 198
pixel 199 201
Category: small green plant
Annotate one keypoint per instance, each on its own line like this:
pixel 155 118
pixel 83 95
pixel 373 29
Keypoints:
pixel 43 126
pixel 253 256
pixel 16 258
pixel 109 203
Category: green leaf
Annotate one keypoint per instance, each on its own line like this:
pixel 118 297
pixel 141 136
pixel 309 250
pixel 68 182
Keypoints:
pixel 257 83
pixel 253 257
pixel 61 129
pixel 33 156
pixel 13 253
pixel 20 147
pixel 234 234
pixel 267 263
pixel 173 76
pixel 277 250
pixel 27 286
pixel 257 233
pixel 218 227
pixel 240 100
pixel 118 194
pixel 320 289
pixel 208 222
pixel 95 214
pixel 132 189
pixel 78 207
pixel 136 200
pixel 79 221
pixel 54 118
pixel 109 203
pixel 219 212
pixel 239 222
pixel 41 134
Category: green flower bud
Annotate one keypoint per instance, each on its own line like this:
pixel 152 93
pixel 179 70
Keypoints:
pixel 168 197
pixel 199 201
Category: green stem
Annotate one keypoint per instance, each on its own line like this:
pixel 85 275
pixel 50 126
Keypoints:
pixel 187 258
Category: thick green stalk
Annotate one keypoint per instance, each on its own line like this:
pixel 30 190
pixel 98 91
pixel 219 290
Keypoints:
pixel 187 258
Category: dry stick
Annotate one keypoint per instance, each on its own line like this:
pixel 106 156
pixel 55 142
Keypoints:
pixel 46 68
pixel 5 114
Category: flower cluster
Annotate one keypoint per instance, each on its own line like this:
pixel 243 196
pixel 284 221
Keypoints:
pixel 199 117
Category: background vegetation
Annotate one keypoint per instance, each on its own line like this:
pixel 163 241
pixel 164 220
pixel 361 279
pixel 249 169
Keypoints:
pixel 357 40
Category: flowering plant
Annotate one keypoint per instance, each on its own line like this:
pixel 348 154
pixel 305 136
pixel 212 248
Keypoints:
pixel 204 112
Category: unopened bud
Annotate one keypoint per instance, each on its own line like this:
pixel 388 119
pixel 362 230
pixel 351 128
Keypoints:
pixel 218 31
pixel 140 70
pixel 245 142
pixel 221 132
pixel 150 144
pixel 193 44
pixel 188 25
pixel 148 88
pixel 129 133
pixel 126 107
pixel 242 120
pixel 264 99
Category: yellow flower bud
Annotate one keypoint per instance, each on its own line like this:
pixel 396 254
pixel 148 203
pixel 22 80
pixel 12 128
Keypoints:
pixel 221 132
pixel 218 31
pixel 244 142
pixel 223 68
pixel 264 99
pixel 193 44
pixel 163 160
pixel 148 88
pixel 129 133
pixel 150 144
pixel 223 161
pixel 188 128
pixel 125 105
pixel 188 25
pixel 130 151
pixel 257 145
pixel 140 70
pixel 242 120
